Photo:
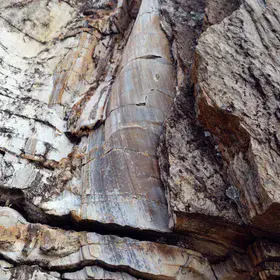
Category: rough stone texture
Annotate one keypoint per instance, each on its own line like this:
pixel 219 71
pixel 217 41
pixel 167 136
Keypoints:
pixel 238 99
pixel 27 272
pixel 191 165
pixel 219 153
pixel 217 10
pixel 99 83
pixel 139 139
pixel 58 250
pixel 95 272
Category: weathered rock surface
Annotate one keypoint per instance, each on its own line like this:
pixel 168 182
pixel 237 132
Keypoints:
pixel 219 147
pixel 120 175
pixel 27 272
pixel 118 101
pixel 59 250
pixel 237 99
pixel 139 139
pixel 94 272
pixel 192 167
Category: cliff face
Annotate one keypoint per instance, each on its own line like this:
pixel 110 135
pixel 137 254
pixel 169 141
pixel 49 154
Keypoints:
pixel 139 139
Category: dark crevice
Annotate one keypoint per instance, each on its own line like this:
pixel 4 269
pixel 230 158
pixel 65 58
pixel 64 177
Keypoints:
pixel 141 104
pixel 34 214
pixel 110 268
pixel 82 264
pixel 19 30
pixel 89 12
pixel 7 259
pixel 144 57
pixel 74 139
pixel 214 273
pixel 151 56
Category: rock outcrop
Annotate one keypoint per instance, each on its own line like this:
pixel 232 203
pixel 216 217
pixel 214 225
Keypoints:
pixel 55 249
pixel 192 167
pixel 238 104
pixel 139 139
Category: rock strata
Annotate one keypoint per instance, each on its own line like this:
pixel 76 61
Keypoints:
pixel 139 139
pixel 60 250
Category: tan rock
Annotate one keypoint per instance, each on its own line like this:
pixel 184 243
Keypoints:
pixel 237 101
pixel 57 250
pixel 190 163
pixel 87 88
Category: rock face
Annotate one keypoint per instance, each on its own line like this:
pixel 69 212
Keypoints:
pixel 239 105
pixel 56 249
pixel 139 139
pixel 120 175
pixel 192 167
pixel 105 91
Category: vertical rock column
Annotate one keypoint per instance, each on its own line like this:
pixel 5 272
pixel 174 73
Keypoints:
pixel 121 182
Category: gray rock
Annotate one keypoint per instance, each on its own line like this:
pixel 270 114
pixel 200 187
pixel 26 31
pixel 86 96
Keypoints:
pixel 155 120
pixel 60 250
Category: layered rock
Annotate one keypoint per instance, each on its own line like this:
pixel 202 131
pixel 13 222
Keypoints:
pixel 55 249
pixel 90 190
pixel 118 101
pixel 120 175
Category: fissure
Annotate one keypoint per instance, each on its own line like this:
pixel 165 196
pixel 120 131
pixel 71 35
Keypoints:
pixel 139 139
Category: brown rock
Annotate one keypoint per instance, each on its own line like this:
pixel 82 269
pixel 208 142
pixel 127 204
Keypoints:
pixel 58 250
pixel 87 88
pixel 237 101
pixel 191 165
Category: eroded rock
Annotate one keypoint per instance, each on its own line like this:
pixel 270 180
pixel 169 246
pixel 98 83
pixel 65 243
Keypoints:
pixel 237 99
pixel 191 165
pixel 58 250
pixel 87 88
